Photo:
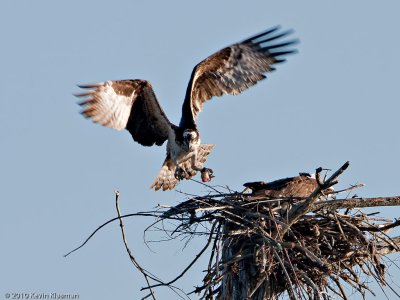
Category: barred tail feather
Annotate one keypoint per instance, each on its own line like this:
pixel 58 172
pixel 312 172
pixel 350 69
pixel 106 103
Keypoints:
pixel 166 177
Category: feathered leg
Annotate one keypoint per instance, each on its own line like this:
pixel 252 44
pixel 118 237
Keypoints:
pixel 166 179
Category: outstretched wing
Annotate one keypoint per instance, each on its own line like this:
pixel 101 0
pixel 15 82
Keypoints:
pixel 234 69
pixel 127 104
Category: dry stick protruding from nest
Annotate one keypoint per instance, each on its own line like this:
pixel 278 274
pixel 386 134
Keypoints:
pixel 355 202
pixel 147 275
pixel 188 267
pixel 298 211
pixel 132 258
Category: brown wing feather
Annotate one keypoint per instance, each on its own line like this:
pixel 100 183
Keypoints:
pixel 127 104
pixel 299 186
pixel 233 69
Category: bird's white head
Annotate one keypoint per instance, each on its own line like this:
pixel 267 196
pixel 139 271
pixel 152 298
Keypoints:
pixel 191 139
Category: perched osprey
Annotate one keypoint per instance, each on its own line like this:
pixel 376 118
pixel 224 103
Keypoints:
pixel 297 187
pixel 132 104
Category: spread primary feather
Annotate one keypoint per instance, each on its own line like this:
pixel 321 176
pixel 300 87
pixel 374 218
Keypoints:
pixel 132 104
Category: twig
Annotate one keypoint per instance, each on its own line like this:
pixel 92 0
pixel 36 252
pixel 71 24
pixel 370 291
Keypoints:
pixel 291 291
pixel 353 187
pixel 387 248
pixel 298 211
pixel 132 258
pixel 339 285
pixel 382 228
pixel 207 185
pixel 189 266
pixel 142 214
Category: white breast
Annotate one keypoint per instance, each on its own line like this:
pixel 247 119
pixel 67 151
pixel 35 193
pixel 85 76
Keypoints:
pixel 179 155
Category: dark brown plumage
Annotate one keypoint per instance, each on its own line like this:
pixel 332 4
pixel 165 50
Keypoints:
pixel 127 104
pixel 297 187
pixel 132 104
pixel 233 70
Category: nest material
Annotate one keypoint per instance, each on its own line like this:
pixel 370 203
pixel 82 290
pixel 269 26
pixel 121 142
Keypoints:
pixel 321 251
pixel 284 238
pixel 258 253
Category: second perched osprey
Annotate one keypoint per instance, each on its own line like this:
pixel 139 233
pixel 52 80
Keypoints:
pixel 132 104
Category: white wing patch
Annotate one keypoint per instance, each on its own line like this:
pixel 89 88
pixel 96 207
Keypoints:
pixel 106 107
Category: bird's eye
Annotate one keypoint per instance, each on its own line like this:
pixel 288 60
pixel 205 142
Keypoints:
pixel 188 136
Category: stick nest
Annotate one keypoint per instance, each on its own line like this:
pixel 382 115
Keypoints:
pixel 285 238
pixel 265 248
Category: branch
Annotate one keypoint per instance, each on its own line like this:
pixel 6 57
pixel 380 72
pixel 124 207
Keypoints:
pixel 190 265
pixel 142 214
pixel 356 202
pixel 132 258
pixel 385 248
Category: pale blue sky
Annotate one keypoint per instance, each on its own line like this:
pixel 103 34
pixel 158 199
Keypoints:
pixel 336 100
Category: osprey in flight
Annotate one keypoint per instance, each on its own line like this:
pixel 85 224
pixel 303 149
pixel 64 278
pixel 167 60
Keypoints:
pixel 132 104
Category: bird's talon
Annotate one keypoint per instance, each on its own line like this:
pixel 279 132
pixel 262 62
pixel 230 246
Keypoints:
pixel 180 174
